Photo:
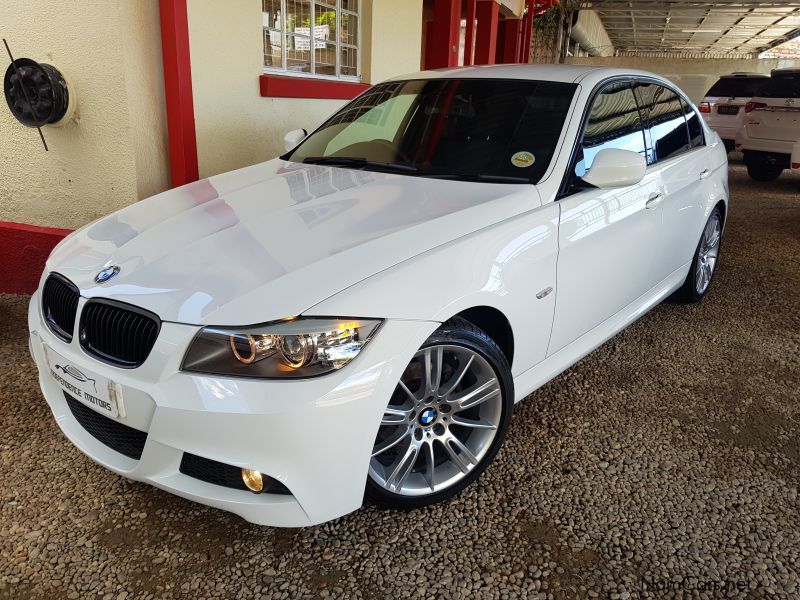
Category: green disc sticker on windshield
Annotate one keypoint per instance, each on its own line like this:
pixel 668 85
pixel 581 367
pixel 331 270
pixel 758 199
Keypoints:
pixel 523 159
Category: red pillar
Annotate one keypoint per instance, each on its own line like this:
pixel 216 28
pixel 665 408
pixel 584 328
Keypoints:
pixel 178 91
pixel 500 44
pixel 488 21
pixel 442 41
pixel 527 32
pixel 469 35
pixel 511 41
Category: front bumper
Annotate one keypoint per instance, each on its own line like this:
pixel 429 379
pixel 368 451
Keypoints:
pixel 313 435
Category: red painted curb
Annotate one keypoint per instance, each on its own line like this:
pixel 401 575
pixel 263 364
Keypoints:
pixel 23 252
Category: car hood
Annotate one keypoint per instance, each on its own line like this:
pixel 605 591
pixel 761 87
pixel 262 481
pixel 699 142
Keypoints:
pixel 270 241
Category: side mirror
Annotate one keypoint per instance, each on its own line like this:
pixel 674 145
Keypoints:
pixel 292 139
pixel 613 168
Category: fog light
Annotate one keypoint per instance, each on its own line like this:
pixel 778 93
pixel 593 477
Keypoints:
pixel 253 480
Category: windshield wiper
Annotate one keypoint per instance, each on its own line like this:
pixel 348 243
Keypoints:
pixel 358 162
pixel 479 177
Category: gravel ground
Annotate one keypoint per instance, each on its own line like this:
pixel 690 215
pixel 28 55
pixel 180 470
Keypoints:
pixel 669 455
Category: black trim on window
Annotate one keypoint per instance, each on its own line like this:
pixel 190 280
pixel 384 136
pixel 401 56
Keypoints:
pixel 567 188
pixel 567 181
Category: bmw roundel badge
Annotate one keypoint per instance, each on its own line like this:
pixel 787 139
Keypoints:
pixel 106 274
pixel 427 416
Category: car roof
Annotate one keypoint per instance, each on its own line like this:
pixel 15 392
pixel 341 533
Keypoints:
pixel 558 73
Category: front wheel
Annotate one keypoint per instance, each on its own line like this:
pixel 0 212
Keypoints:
pixel 704 263
pixel 445 421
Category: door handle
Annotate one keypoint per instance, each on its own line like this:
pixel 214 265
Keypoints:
pixel 653 200
pixel 704 173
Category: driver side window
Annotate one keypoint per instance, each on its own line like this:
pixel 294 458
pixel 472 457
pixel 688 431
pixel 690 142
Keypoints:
pixel 614 122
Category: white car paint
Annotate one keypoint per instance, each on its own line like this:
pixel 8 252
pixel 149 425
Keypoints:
pixel 719 108
pixel 281 239
pixel 772 126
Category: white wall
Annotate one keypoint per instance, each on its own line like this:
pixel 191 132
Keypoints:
pixel 235 125
pixel 392 38
pixel 116 152
pixel 694 76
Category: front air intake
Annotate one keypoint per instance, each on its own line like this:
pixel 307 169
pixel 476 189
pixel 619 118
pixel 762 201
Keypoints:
pixel 125 440
pixel 118 333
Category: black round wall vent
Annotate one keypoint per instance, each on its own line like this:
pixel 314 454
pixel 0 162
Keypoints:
pixel 36 93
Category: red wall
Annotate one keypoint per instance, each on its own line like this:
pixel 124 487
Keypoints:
pixel 23 251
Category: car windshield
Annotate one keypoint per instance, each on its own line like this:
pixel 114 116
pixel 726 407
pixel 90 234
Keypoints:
pixel 491 130
pixel 785 85
pixel 737 87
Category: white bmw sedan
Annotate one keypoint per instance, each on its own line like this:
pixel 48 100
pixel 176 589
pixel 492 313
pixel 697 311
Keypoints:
pixel 358 317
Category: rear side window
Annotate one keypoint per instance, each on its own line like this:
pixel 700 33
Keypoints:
pixel 782 86
pixel 693 123
pixel 737 87
pixel 664 123
pixel 614 122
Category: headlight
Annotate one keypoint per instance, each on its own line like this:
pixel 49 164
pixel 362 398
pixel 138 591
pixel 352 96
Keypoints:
pixel 303 347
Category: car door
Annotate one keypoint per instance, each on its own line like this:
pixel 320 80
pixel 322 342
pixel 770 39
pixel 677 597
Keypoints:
pixel 607 237
pixel 676 149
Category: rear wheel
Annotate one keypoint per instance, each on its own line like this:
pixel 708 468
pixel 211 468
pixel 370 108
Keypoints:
pixel 704 264
pixel 445 421
pixel 763 166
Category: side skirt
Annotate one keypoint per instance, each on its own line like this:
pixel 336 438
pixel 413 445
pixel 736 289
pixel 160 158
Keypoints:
pixel 529 381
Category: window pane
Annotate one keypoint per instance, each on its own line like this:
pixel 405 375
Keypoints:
pixel 782 85
pixel 298 54
pixel 298 16
pixel 271 13
pixel 466 129
pixel 349 29
pixel 326 59
pixel 272 48
pixel 733 87
pixel 350 5
pixel 324 23
pixel 664 121
pixel 349 62
pixel 613 123
pixel 693 122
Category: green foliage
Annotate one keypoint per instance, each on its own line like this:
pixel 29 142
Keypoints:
pixel 326 18
pixel 551 18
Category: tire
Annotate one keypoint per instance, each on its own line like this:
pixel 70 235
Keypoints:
pixel 706 256
pixel 763 169
pixel 474 386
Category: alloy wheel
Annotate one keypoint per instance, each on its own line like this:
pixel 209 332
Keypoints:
pixel 707 254
pixel 439 423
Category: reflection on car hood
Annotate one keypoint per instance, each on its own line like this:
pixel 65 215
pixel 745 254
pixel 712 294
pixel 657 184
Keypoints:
pixel 272 240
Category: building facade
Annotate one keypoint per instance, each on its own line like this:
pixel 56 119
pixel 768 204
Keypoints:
pixel 168 91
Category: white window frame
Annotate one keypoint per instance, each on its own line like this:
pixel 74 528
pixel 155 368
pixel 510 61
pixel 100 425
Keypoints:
pixel 284 69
